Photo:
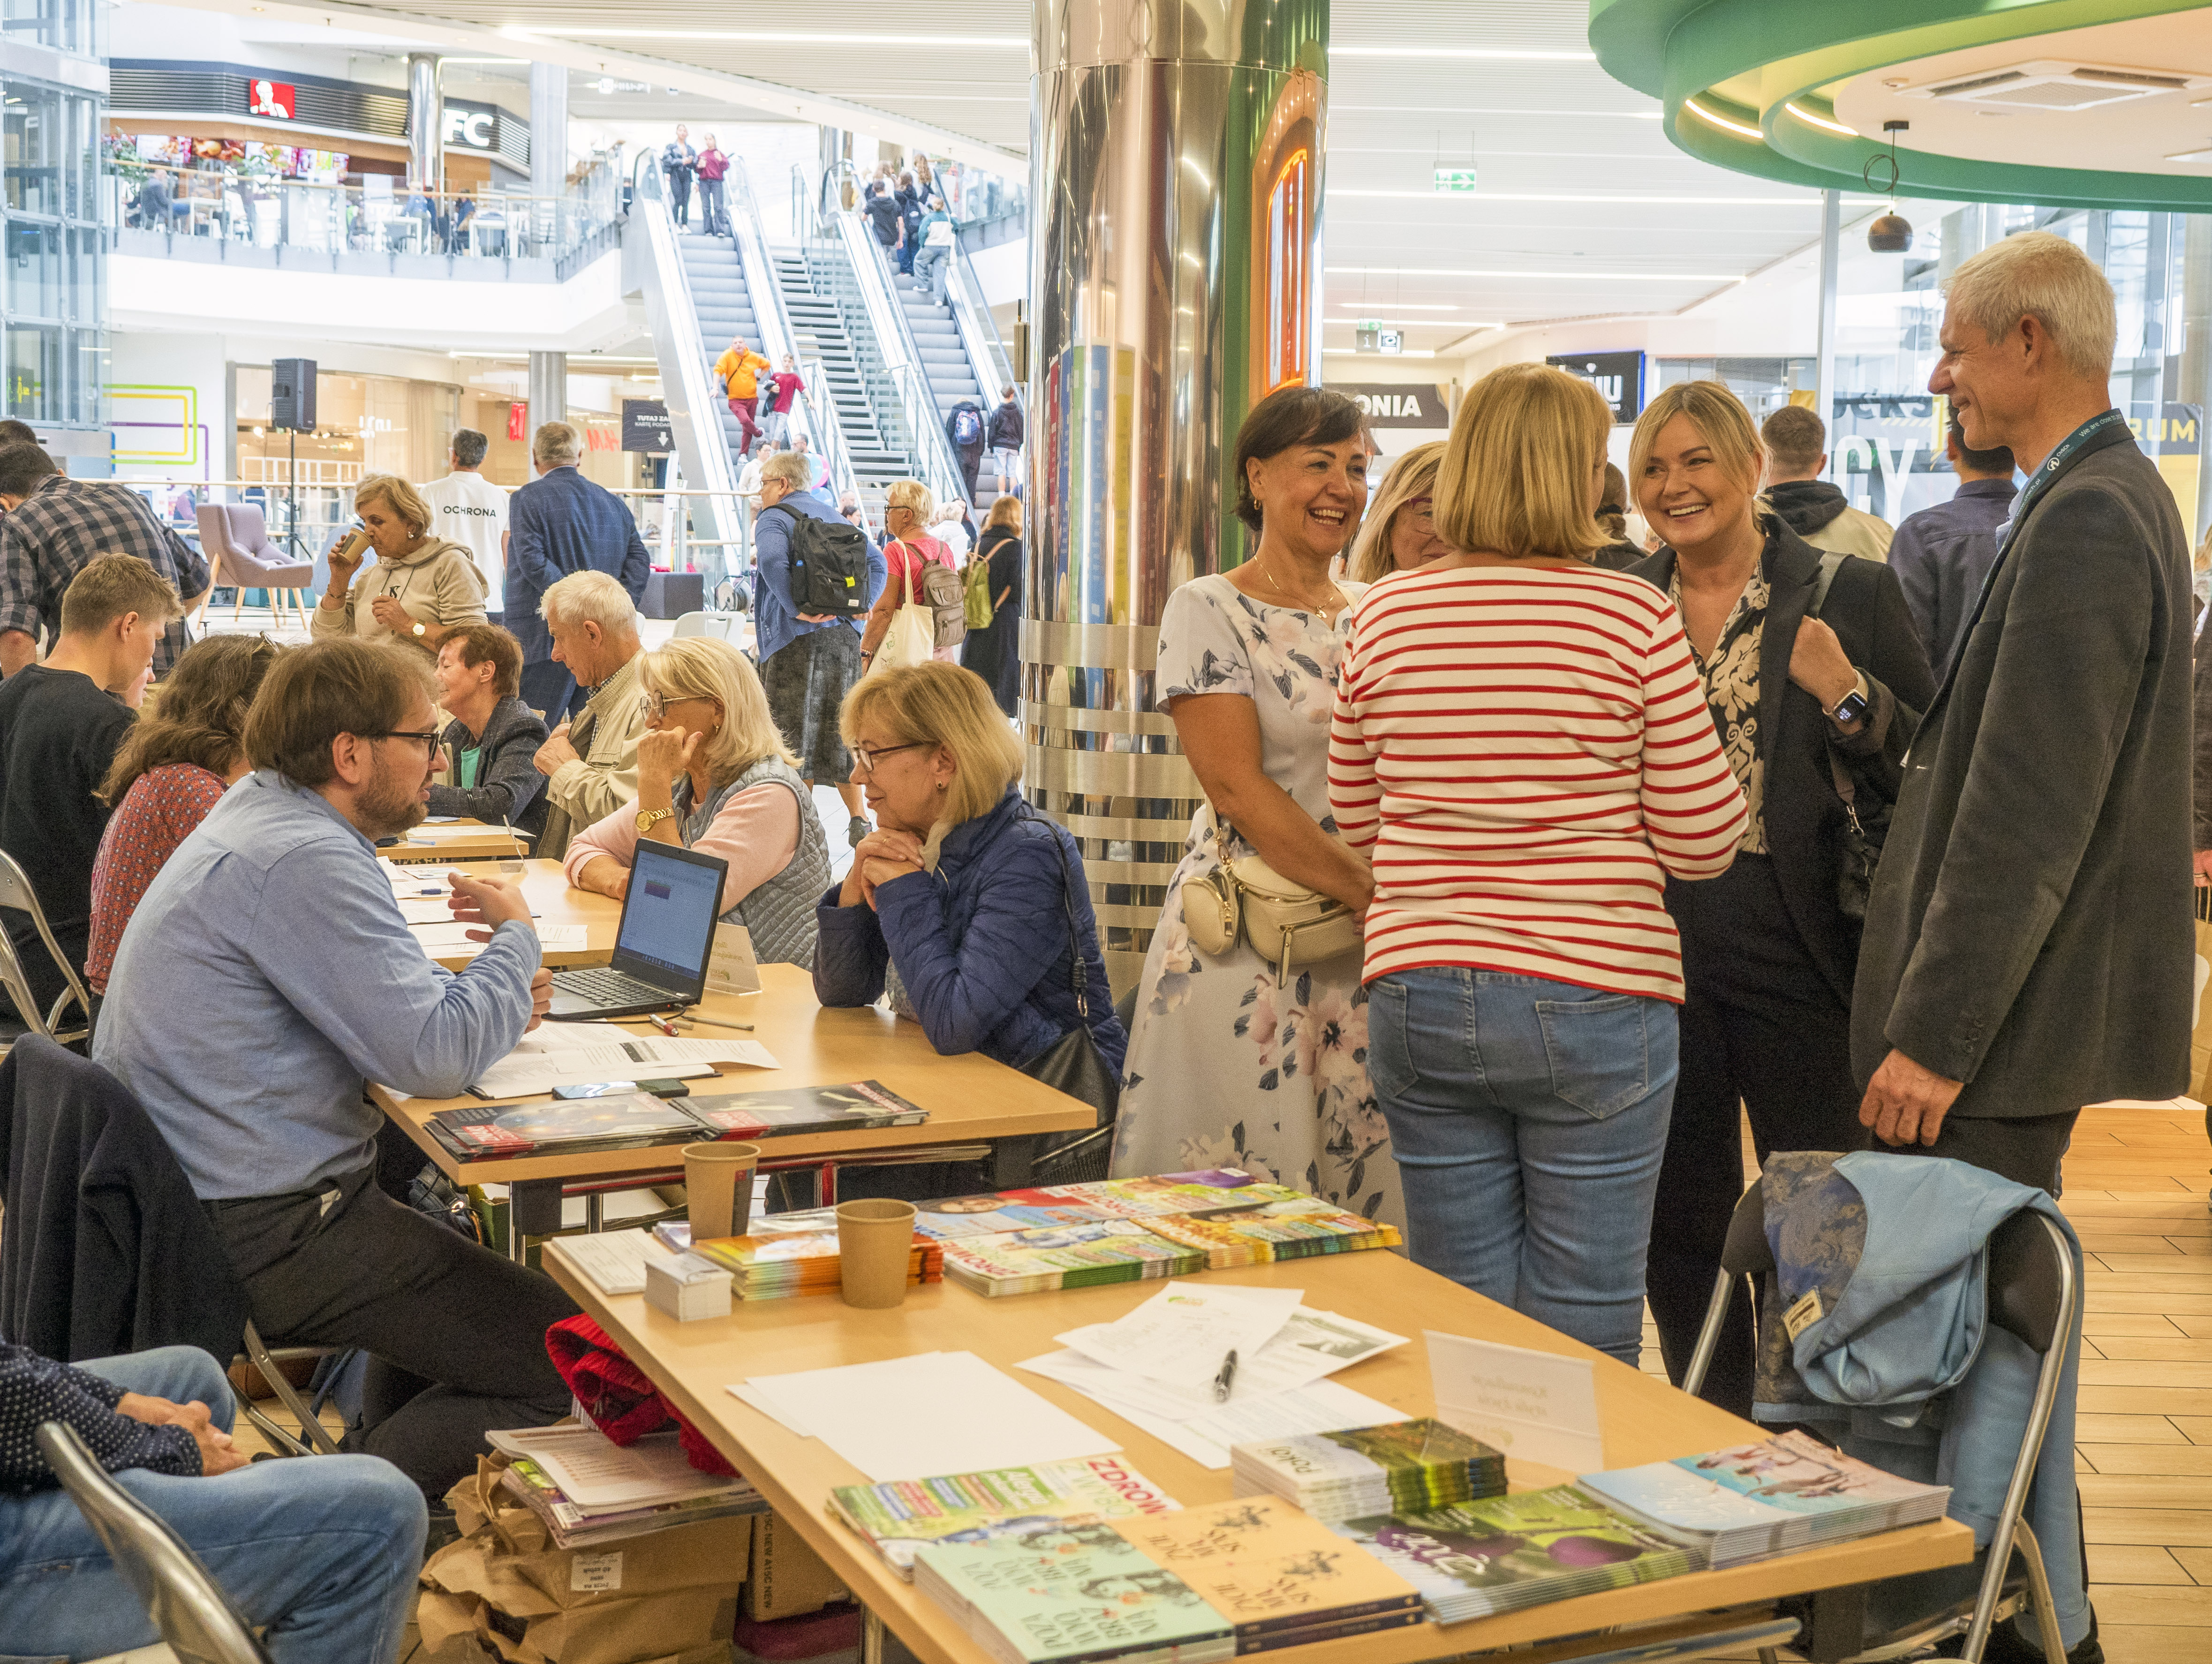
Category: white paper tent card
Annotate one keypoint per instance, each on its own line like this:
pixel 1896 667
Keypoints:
pixel 1537 1406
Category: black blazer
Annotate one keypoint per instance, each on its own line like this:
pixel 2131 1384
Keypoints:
pixel 1805 817
pixel 2029 930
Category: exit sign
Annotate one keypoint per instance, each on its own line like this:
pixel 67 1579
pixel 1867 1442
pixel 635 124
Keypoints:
pixel 1455 179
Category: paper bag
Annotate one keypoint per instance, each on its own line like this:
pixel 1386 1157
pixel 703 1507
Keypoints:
pixel 789 1577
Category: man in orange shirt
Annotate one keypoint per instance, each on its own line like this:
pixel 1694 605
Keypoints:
pixel 739 369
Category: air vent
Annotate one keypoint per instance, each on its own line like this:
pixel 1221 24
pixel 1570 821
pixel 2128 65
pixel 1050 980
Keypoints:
pixel 2056 85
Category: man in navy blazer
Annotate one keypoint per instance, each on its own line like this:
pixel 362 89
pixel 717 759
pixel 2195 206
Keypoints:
pixel 559 524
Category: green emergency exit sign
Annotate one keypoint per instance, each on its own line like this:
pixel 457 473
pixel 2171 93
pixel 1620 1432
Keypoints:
pixel 1455 179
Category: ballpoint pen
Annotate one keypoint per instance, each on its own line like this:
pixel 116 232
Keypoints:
pixel 715 1022
pixel 661 1023
pixel 1226 1379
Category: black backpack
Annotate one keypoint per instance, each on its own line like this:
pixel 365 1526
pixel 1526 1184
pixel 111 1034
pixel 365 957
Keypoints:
pixel 828 566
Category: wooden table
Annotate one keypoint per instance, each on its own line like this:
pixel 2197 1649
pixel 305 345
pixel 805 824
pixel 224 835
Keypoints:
pixel 1643 1418
pixel 553 901
pixel 456 841
pixel 972 1102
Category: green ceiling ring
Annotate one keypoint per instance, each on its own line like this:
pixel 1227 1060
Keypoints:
pixel 1678 50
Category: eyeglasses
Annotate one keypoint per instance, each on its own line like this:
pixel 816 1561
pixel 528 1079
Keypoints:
pixel 428 737
pixel 655 706
pixel 868 758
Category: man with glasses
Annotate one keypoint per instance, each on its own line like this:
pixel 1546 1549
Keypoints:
pixel 305 984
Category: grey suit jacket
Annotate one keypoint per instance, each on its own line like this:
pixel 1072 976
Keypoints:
pixel 2030 928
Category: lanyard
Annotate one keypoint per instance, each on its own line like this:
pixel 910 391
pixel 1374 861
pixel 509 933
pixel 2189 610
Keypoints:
pixel 2069 448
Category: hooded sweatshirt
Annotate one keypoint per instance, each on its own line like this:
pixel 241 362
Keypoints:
pixel 439 583
pixel 1819 514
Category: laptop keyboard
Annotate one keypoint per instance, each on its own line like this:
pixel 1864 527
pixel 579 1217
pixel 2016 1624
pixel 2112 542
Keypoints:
pixel 611 987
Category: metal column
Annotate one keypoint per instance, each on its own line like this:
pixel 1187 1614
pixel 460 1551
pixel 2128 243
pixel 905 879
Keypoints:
pixel 2197 356
pixel 1176 182
pixel 426 123
pixel 1832 255
pixel 548 153
pixel 548 389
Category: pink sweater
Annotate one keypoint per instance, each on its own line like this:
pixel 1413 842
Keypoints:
pixel 756 833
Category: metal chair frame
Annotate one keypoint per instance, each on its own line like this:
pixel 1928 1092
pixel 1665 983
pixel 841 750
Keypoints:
pixel 186 1604
pixel 317 1437
pixel 15 891
pixel 2034 1295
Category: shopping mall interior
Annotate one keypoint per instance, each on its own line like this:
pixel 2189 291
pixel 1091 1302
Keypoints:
pixel 257 252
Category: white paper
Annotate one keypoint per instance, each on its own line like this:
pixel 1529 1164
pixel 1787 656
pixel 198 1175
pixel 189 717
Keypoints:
pixel 730 967
pixel 614 1260
pixel 1183 1335
pixel 454 933
pixel 1321 1408
pixel 939 1412
pixel 594 1472
pixel 1310 1346
pixel 522 1072
pixel 745 1394
pixel 1535 1406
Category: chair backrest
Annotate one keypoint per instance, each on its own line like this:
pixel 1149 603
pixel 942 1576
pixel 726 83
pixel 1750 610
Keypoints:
pixel 691 623
pixel 15 891
pixel 215 529
pixel 187 1605
pixel 1748 1253
pixel 235 533
pixel 2028 1281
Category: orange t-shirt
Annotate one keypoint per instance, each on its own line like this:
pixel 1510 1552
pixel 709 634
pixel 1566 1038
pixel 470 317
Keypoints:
pixel 740 374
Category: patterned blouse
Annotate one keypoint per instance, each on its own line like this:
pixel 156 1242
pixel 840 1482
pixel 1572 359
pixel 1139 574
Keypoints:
pixel 1731 679
pixel 156 814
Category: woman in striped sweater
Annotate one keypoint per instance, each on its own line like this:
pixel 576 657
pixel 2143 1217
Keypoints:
pixel 1520 747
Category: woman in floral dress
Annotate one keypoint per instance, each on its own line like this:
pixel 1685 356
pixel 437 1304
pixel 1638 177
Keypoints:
pixel 1229 1065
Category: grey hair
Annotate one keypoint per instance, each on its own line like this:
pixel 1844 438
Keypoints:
pixel 588 598
pixel 556 442
pixel 2036 274
pixel 789 468
pixel 912 494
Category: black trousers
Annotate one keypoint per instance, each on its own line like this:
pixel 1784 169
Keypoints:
pixel 2027 1151
pixel 1761 1028
pixel 456 1334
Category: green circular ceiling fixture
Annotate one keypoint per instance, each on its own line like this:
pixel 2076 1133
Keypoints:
pixel 1728 72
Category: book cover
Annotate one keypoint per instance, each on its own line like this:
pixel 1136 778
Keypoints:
pixel 1344 1629
pixel 515 1129
pixel 857 1105
pixel 902 1515
pixel 1408 1459
pixel 996 1213
pixel 1265 1565
pixel 1257 1231
pixel 1070 1591
pixel 1068 1256
pixel 1796 1474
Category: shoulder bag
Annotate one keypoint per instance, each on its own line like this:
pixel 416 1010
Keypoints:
pixel 912 637
pixel 1859 840
pixel 1073 1065
pixel 1285 922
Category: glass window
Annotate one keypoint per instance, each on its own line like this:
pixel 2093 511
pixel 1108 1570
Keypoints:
pixel 34 270
pixel 30 131
pixel 35 372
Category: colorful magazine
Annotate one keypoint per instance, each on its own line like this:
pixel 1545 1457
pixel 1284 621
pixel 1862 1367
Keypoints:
pixel 1070 1256
pixel 902 1515
pixel 631 1120
pixel 1256 1232
pixel 1398 1467
pixel 858 1106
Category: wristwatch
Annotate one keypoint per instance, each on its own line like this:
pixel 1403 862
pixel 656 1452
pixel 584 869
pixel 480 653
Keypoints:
pixel 1852 706
pixel 419 628
pixel 648 818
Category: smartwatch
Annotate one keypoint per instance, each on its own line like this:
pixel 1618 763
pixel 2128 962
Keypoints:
pixel 1852 707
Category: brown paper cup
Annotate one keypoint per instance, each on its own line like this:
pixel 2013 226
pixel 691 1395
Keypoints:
pixel 718 1187
pixel 875 1242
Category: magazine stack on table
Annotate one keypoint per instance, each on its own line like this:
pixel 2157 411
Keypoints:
pixel 629 1120
pixel 1402 1466
pixel 784 1255
pixel 900 1516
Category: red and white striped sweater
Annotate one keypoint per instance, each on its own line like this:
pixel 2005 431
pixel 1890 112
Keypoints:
pixel 1524 753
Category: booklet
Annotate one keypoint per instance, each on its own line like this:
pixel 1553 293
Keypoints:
pixel 900 1516
pixel 629 1120
pixel 859 1106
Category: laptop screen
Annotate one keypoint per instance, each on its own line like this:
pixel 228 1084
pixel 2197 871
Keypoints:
pixel 669 916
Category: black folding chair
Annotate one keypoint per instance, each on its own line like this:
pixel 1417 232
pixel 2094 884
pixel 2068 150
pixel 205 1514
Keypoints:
pixel 2033 1294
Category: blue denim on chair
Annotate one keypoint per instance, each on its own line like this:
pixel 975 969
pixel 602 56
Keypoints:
pixel 1528 1117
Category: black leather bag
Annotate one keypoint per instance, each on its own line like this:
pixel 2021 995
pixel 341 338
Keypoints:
pixel 1073 1065
pixel 1859 839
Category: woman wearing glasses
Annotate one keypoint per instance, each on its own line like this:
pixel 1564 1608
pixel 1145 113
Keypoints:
pixel 1400 531
pixel 714 775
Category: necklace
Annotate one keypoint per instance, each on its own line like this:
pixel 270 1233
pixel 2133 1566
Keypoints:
pixel 1335 595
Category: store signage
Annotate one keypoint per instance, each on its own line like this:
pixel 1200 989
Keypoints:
pixel 272 97
pixel 646 427
pixel 1370 337
pixel 1455 179
pixel 470 129
pixel 1393 404
pixel 1618 375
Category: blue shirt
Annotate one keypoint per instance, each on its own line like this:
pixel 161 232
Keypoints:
pixel 267 975
pixel 776 623
pixel 561 523
pixel 1941 555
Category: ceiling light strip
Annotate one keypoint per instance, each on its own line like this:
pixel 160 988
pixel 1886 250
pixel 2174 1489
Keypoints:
pixel 1812 120
pixel 1563 196
pixel 1504 53
pixel 773 37
pixel 1721 122
pixel 1542 276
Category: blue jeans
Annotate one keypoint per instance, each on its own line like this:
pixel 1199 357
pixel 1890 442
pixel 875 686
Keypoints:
pixel 1528 1117
pixel 929 271
pixel 322 1549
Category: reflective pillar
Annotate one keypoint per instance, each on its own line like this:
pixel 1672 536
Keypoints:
pixel 549 388
pixel 548 150
pixel 426 123
pixel 2197 357
pixel 1176 158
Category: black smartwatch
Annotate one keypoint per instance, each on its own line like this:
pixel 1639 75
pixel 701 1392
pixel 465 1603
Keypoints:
pixel 1852 707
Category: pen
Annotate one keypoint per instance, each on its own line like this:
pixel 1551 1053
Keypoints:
pixel 716 1022
pixel 661 1023
pixel 1225 1379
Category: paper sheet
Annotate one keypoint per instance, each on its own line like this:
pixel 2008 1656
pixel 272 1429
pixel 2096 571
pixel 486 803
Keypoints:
pixel 1310 1346
pixel 454 933
pixel 745 1394
pixel 1538 1406
pixel 1183 1335
pixel 939 1412
pixel 522 1072
pixel 593 1472
pixel 614 1260
pixel 1321 1408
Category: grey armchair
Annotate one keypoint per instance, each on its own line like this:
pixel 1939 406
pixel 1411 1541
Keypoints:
pixel 235 540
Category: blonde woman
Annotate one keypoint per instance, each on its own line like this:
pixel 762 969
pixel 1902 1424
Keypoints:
pixel 1400 531
pixel 1769 959
pixel 994 651
pixel 958 904
pixel 1520 748
pixel 909 509
pixel 422 588
pixel 714 775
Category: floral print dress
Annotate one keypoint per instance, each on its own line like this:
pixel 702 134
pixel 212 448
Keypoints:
pixel 1229 1066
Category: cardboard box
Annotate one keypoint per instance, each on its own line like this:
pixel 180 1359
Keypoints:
pixel 503 1587
pixel 788 1576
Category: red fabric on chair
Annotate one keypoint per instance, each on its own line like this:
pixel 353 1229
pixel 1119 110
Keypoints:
pixel 619 1397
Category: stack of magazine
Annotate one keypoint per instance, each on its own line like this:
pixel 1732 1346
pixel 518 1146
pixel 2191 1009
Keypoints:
pixel 1752 1502
pixel 589 1490
pixel 634 1119
pixel 901 1517
pixel 1402 1466
pixel 1072 1256
pixel 784 1255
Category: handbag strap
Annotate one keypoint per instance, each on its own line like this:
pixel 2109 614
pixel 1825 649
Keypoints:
pixel 1831 562
pixel 1080 975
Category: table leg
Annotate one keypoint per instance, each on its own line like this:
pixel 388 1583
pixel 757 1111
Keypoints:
pixel 533 1209
pixel 1837 1626
pixel 595 1211
pixel 1013 1159
pixel 872 1636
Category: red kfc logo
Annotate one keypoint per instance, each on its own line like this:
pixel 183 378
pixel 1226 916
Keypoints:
pixel 271 97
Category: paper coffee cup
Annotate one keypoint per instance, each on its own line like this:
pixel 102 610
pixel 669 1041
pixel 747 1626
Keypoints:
pixel 718 1187
pixel 875 1243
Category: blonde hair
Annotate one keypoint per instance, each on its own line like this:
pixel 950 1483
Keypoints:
pixel 1515 475
pixel 706 667
pixel 953 707
pixel 2039 275
pixel 912 494
pixel 395 493
pixel 789 467
pixel 1719 419
pixel 588 598
pixel 1412 475
pixel 1006 511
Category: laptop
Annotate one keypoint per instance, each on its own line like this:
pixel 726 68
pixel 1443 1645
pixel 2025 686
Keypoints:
pixel 661 950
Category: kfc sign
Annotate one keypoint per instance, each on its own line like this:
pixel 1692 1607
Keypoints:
pixel 271 97
pixel 469 128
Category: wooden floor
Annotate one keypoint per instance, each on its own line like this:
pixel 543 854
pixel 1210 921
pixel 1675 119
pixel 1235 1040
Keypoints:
pixel 2135 1193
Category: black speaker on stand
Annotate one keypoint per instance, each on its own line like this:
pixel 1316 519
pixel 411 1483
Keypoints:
pixel 292 411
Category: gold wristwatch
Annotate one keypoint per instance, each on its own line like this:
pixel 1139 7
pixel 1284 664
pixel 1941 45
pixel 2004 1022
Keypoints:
pixel 648 818
pixel 420 629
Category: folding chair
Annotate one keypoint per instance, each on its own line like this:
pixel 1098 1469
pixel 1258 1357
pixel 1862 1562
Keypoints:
pixel 15 891
pixel 187 1605
pixel 2033 1294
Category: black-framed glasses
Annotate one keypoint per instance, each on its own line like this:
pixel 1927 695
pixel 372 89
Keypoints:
pixel 654 707
pixel 868 758
pixel 428 737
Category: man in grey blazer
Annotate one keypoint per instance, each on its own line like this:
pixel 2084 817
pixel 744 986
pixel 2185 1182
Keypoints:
pixel 2029 947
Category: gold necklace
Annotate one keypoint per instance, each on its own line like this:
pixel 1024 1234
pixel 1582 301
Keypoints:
pixel 1321 607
